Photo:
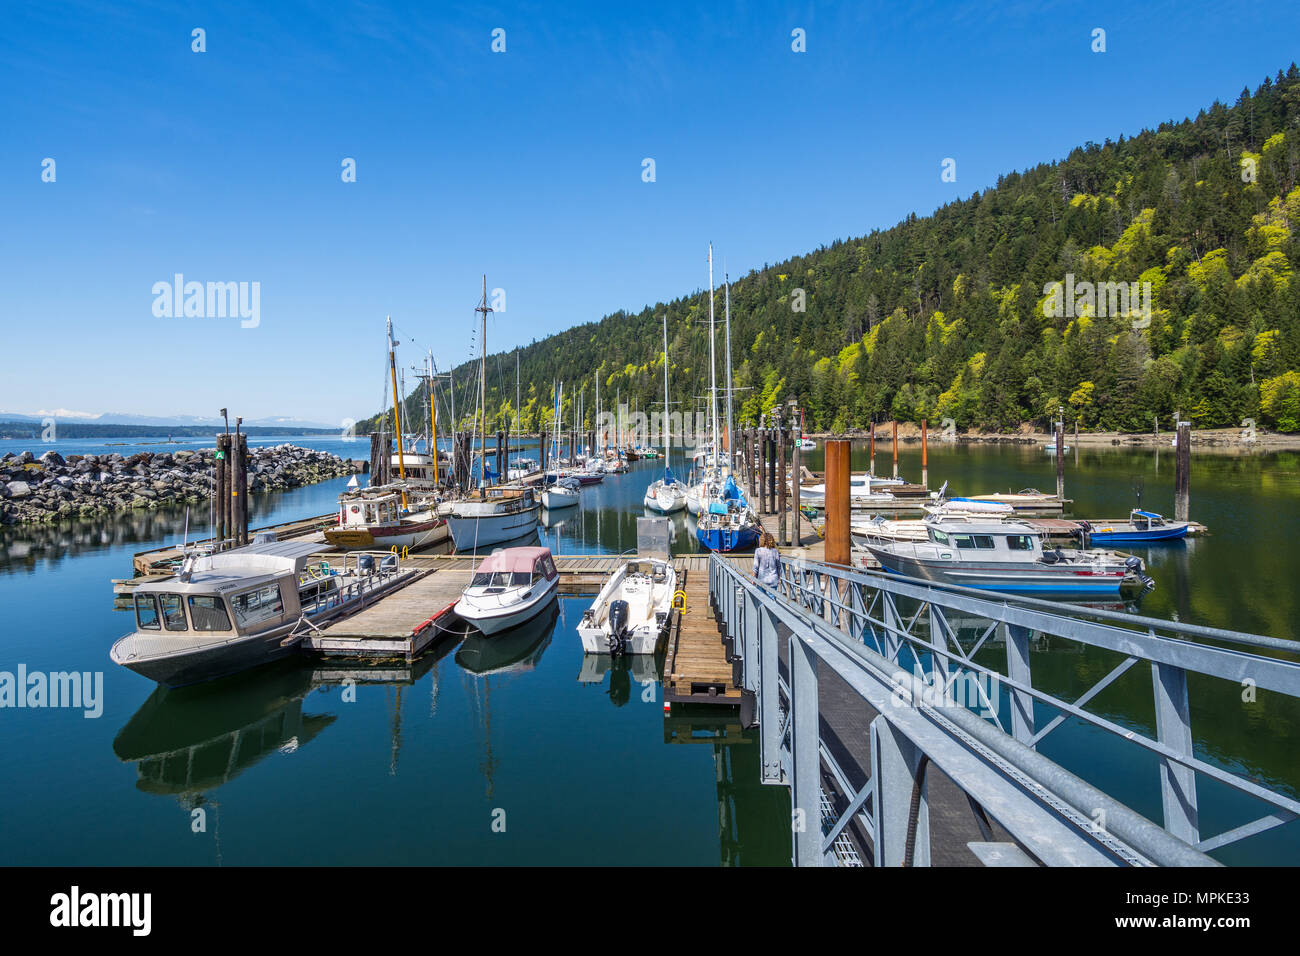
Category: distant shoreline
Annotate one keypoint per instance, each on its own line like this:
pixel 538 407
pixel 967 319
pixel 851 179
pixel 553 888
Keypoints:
pixel 1218 438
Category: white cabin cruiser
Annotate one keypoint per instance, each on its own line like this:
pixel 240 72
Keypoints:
pixel 509 587
pixel 630 615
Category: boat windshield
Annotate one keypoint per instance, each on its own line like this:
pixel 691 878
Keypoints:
pixel 1020 542
pixel 208 613
pixel 501 579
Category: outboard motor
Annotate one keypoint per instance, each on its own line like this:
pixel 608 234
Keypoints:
pixel 1137 569
pixel 618 614
pixel 366 563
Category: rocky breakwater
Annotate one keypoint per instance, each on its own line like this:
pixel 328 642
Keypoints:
pixel 50 487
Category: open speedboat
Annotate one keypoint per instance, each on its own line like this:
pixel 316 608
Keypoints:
pixel 509 587
pixel 1142 527
pixel 630 615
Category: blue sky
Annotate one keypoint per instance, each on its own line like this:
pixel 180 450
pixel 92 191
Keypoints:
pixel 524 165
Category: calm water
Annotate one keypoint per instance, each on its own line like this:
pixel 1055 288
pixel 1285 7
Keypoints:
pixel 578 757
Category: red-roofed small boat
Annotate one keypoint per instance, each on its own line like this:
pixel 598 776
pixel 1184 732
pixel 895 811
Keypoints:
pixel 509 587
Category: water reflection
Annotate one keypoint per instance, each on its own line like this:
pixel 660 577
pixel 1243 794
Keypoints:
pixel 514 651
pixel 189 740
pixel 753 818
pixel 645 670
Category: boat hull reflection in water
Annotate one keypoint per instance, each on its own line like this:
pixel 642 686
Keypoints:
pixel 516 650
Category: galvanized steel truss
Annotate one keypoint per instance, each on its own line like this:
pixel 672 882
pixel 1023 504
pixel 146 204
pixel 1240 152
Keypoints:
pixel 851 622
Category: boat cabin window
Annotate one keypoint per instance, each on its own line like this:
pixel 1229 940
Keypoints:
pixel 173 612
pixel 146 613
pixel 1020 542
pixel 258 606
pixel 501 579
pixel 938 537
pixel 208 613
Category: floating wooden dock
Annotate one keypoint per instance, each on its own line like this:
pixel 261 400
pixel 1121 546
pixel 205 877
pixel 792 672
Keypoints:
pixel 696 669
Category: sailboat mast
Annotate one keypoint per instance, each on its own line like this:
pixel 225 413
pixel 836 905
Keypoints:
pixel 482 389
pixel 713 370
pixel 668 422
pixel 731 459
pixel 433 419
pixel 397 415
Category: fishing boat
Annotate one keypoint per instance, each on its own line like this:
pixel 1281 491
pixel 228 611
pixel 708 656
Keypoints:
pixel 564 493
pixel 226 612
pixel 490 515
pixel 630 615
pixel 509 587
pixel 1007 556
pixel 1142 527
pixel 667 494
pixel 375 518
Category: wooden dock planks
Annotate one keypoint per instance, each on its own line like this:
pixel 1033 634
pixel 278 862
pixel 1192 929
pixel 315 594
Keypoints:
pixel 390 628
pixel 696 669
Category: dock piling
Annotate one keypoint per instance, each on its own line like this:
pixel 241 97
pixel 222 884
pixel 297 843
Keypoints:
pixel 796 471
pixel 896 448
pixel 781 525
pixel 1060 458
pixel 925 456
pixel 837 502
pixel 1182 471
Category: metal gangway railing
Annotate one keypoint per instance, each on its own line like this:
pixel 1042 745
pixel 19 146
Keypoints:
pixel 892 640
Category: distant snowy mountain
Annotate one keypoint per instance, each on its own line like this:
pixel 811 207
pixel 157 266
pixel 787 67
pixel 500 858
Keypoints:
pixel 287 422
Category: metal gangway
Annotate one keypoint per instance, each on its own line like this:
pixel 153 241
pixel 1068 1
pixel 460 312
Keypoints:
pixel 893 642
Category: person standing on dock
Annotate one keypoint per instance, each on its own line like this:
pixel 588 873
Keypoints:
pixel 767 561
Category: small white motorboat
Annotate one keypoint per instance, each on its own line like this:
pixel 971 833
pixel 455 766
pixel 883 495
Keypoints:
pixel 509 587
pixel 630 615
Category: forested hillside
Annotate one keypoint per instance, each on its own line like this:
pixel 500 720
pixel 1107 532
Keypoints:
pixel 943 316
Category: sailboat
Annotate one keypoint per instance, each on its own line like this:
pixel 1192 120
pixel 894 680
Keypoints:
pixel 385 516
pixel 489 515
pixel 564 491
pixel 666 495
pixel 725 521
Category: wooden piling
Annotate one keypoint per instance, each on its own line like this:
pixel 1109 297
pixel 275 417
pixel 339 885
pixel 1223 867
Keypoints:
pixel 760 446
pixel 781 525
pixel 1182 471
pixel 837 503
pixel 925 456
pixel 222 487
pixel 1060 460
pixel 872 469
pixel 796 473
pixel 771 469
pixel 895 448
